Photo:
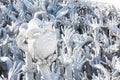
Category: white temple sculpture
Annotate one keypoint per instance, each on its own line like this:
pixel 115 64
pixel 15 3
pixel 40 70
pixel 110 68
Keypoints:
pixel 59 40
pixel 42 43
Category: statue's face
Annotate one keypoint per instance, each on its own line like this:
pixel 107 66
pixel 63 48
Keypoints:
pixel 21 37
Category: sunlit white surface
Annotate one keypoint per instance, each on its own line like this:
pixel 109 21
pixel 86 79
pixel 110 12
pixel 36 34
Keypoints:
pixel 116 3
